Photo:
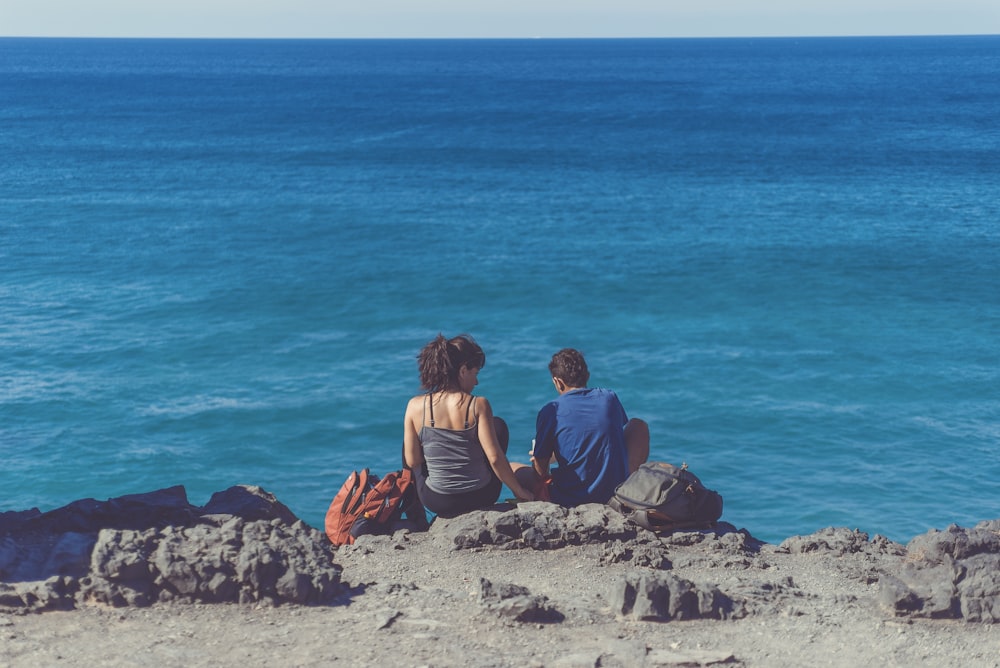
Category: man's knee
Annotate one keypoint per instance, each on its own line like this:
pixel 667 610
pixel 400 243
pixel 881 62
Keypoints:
pixel 636 443
pixel 637 431
pixel 502 432
pixel 528 478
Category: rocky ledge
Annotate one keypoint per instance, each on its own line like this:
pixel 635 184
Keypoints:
pixel 244 546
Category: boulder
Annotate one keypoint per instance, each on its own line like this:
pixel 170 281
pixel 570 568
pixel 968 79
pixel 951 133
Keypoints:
pixel 954 543
pixel 663 597
pixel 134 511
pixel 536 525
pixel 950 574
pixel 840 541
pixel 243 546
pixel 517 603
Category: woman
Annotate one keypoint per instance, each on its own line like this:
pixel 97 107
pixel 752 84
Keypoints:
pixel 450 438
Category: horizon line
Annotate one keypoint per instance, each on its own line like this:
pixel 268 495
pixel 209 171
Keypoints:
pixel 500 38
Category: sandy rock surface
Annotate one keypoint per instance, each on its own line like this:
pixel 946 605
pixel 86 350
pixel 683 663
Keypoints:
pixel 540 586
pixel 422 608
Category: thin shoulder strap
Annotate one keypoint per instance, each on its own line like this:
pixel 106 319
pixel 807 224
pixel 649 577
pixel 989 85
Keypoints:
pixel 468 408
pixel 429 400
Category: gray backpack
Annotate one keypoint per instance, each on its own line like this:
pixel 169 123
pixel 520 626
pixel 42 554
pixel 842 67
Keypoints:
pixel 663 497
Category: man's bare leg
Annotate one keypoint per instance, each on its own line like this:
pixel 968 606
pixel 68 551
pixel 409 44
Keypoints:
pixel 636 443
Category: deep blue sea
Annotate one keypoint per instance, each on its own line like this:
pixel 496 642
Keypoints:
pixel 219 259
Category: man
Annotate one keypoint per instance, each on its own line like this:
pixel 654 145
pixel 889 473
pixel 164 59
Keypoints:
pixel 587 433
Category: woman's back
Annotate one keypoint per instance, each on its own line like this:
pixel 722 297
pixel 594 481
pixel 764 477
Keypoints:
pixel 452 442
pixel 449 410
pixel 450 439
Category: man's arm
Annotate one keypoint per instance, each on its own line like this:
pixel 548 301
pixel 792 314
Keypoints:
pixel 541 467
pixel 543 453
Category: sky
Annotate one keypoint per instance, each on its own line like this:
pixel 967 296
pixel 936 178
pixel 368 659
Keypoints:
pixel 494 18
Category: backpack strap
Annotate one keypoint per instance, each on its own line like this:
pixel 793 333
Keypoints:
pixel 653 521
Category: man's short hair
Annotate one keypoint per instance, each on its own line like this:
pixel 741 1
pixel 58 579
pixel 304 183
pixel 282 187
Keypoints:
pixel 569 366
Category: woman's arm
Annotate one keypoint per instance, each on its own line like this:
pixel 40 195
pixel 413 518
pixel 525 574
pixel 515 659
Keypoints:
pixel 495 454
pixel 413 454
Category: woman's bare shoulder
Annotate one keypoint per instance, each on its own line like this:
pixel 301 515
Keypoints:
pixel 482 404
pixel 415 403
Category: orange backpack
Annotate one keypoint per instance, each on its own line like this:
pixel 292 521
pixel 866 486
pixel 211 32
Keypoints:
pixel 367 504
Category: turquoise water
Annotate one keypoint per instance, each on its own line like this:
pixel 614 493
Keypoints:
pixel 219 259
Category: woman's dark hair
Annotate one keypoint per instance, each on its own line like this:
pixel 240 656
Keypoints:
pixel 440 360
pixel 569 366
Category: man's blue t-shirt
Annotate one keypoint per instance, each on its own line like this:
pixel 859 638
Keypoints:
pixel 583 428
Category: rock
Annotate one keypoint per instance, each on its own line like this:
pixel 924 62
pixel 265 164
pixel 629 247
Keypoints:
pixel 921 592
pixel 12 520
pixel 159 508
pixel 989 525
pixel 937 547
pixel 385 618
pixel 536 525
pixel 472 530
pixel 836 541
pixel 578 659
pixel 250 503
pixel 517 603
pixel 873 558
pixel 70 555
pixel 637 553
pixel 950 574
pixel 244 546
pixel 623 653
pixel 760 597
pixel 660 657
pixel 979 589
pixel 721 537
pixel 721 546
pixel 662 597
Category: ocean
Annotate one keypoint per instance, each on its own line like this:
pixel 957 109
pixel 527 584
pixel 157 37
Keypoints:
pixel 220 258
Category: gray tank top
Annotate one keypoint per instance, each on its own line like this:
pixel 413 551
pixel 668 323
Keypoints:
pixel 455 458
